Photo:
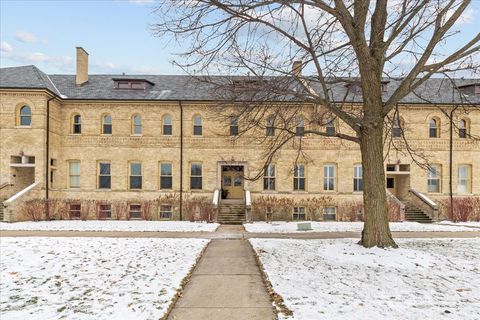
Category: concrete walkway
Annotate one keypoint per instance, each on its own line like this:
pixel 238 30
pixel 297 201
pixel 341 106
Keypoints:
pixel 225 284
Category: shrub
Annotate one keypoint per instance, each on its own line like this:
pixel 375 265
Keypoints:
pixel 57 209
pixel 350 211
pixel 119 208
pixel 198 208
pixel 87 206
pixel 464 209
pixel 34 209
pixel 147 210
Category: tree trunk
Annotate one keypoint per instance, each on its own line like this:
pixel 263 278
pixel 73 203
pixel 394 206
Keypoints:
pixel 376 231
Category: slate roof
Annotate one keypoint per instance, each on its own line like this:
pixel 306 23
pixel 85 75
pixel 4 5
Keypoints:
pixel 184 87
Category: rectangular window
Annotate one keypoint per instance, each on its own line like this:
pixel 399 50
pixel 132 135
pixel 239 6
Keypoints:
pixel 165 175
pixel 234 126
pixel 357 178
pixel 464 174
pixel 135 178
pixel 135 211
pixel 299 177
pixel 329 177
pixel 299 213
pixel 197 126
pixel 269 177
pixel 329 214
pixel 166 212
pixel 74 210
pixel 196 176
pixel 390 183
pixel 434 174
pixel 105 211
pixel 104 177
pixel 74 174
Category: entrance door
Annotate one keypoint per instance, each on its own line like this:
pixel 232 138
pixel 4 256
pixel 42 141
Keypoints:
pixel 232 182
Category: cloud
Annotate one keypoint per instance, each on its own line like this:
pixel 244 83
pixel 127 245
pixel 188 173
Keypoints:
pixel 140 1
pixel 24 36
pixel 64 63
pixel 6 47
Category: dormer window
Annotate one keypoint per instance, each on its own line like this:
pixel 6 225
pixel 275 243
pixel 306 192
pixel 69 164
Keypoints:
pixel 132 84
pixel 470 89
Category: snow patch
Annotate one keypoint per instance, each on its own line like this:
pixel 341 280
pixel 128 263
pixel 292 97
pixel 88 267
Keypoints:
pixel 92 278
pixel 112 225
pixel 291 227
pixel 338 279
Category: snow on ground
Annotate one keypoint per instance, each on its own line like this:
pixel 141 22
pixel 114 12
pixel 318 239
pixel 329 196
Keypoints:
pixel 92 278
pixel 318 226
pixel 338 279
pixel 474 224
pixel 112 225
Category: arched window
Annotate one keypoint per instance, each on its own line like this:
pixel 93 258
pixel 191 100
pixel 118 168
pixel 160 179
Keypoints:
pixel 434 130
pixel 233 126
pixel 300 126
pixel 137 124
pixel 25 116
pixel 270 126
pixel 167 125
pixel 396 129
pixel 107 124
pixel 462 128
pixel 77 124
pixel 330 127
pixel 197 126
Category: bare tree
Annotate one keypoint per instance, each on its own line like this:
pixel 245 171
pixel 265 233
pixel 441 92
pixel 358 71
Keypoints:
pixel 350 47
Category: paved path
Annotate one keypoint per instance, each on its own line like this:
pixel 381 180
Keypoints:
pixel 229 234
pixel 225 284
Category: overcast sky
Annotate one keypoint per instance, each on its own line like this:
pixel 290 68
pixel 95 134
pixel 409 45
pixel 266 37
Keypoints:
pixel 115 33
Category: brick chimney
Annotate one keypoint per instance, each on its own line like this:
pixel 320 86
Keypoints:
pixel 297 68
pixel 82 66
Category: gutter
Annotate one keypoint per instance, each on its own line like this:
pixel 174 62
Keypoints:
pixel 181 159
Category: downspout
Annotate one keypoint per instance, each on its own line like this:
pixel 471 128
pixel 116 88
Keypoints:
pixel 451 162
pixel 47 151
pixel 181 159
pixel 47 156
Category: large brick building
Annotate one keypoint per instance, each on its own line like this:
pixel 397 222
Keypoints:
pixel 138 138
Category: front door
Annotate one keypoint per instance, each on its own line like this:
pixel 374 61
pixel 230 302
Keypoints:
pixel 232 182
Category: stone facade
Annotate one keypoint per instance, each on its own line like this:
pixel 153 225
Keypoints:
pixel 212 149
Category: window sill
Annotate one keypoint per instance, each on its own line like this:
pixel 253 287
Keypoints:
pixel 135 190
pixel 106 134
pixel 136 135
pixel 104 189
pixel 299 191
pixel 23 127
pixel 357 192
pixel 270 191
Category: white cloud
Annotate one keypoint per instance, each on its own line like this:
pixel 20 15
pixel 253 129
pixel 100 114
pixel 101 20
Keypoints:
pixel 39 58
pixel 6 47
pixel 25 36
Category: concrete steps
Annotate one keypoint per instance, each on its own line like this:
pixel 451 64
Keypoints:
pixel 231 212
pixel 413 213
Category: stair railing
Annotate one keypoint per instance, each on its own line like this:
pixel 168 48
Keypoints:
pixel 248 204
pixel 427 205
